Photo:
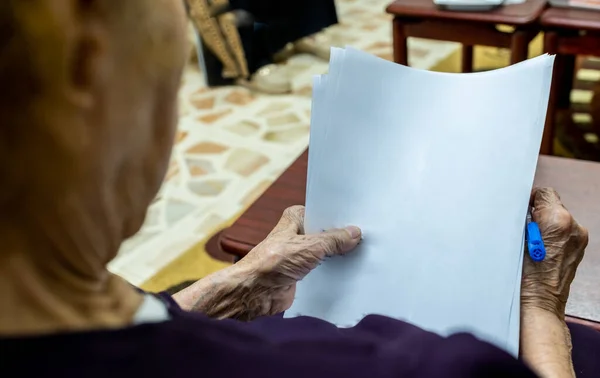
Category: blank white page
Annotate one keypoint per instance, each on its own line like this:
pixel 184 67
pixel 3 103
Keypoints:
pixel 436 169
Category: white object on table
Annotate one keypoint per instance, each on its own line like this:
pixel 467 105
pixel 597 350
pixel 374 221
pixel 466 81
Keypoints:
pixel 579 4
pixel 474 5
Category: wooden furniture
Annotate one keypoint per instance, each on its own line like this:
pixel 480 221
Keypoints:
pixel 256 223
pixel 578 182
pixel 423 19
pixel 568 33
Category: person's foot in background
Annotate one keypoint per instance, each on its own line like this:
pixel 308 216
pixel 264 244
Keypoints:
pixel 270 79
pixel 318 45
pixel 275 78
pixel 238 49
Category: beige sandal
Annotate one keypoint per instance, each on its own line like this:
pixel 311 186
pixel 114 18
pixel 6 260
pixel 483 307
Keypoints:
pixel 271 79
pixel 318 45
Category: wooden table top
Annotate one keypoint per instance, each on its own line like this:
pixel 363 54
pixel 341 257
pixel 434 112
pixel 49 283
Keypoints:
pixel 578 183
pixel 515 14
pixel 568 18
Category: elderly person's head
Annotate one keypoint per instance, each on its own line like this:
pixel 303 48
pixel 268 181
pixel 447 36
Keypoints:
pixel 87 116
pixel 88 111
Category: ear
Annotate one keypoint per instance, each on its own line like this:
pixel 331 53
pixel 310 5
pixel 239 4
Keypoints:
pixel 87 62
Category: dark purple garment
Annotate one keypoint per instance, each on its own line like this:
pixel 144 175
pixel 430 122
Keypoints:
pixel 192 345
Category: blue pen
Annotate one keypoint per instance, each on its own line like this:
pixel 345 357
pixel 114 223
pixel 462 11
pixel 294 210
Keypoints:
pixel 535 244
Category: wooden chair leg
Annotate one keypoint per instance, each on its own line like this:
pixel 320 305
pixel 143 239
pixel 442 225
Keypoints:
pixel 467 58
pixel 551 47
pixel 400 42
pixel 565 85
pixel 519 48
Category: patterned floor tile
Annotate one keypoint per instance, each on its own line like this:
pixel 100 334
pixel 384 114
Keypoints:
pixel 233 143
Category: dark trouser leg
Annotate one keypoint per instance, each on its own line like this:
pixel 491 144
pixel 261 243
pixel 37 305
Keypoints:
pixel 279 23
pixel 586 350
pixel 299 13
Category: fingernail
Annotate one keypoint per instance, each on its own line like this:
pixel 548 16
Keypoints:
pixel 354 232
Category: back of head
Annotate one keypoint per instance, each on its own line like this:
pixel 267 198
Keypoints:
pixel 87 115
pixel 19 87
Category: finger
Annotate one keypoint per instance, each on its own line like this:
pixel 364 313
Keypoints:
pixel 545 198
pixel 291 222
pixel 532 196
pixel 338 241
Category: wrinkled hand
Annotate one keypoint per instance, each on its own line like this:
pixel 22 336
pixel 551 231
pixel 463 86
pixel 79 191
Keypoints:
pixel 546 283
pixel 264 282
pixel 287 255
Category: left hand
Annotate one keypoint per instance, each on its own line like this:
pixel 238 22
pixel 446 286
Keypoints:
pixel 264 282
pixel 545 339
pixel 546 284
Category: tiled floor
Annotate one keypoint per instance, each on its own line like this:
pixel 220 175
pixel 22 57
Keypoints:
pixel 233 143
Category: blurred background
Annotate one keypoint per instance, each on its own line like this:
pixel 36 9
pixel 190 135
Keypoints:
pixel 245 117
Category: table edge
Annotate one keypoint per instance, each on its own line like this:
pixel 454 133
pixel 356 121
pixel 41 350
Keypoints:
pixel 233 246
pixel 555 24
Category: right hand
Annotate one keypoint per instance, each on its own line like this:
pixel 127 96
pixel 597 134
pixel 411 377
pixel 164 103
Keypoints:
pixel 264 282
pixel 546 284
pixel 287 255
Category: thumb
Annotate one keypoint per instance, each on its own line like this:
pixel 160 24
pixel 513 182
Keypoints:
pixel 338 241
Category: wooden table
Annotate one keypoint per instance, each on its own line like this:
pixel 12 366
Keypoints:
pixel 423 19
pixel 578 183
pixel 568 33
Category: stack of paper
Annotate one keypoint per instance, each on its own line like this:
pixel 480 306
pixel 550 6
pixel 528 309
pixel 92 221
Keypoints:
pixel 437 171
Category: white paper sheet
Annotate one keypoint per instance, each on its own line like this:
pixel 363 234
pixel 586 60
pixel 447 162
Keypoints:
pixel 436 169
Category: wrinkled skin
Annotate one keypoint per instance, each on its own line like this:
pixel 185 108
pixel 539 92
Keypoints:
pixel 88 114
pixel 286 256
pixel 264 282
pixel 546 284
